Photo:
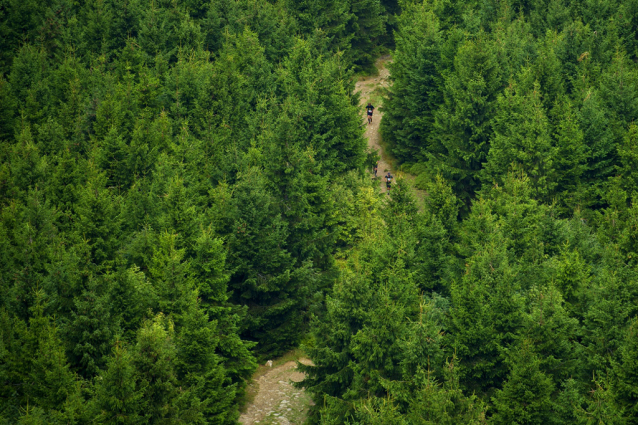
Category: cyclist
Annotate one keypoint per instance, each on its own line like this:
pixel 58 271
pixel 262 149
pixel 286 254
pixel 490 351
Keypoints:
pixel 388 181
pixel 370 109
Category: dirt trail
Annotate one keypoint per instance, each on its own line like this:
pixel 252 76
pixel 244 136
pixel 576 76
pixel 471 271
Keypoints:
pixel 277 401
pixel 370 89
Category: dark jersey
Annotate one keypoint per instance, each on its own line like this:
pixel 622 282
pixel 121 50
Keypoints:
pixel 370 108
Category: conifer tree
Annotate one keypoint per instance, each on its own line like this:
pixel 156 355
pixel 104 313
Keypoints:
pixel 97 219
pixel 628 167
pixel 153 357
pixel 171 278
pixel 601 155
pixel 626 390
pixel 34 363
pixel 485 316
pixel 610 305
pixel 32 238
pixel 599 405
pixel 416 89
pixel 91 328
pixel 119 393
pixel 265 277
pixel 367 26
pixel 464 121
pixel 526 397
pixel 522 137
pixel 551 333
pixel 211 274
pixel 570 156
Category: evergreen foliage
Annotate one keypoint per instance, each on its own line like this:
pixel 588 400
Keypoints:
pixel 166 211
pixel 183 193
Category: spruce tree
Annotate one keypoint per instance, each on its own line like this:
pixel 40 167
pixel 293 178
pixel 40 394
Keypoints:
pixel 415 93
pixel 34 364
pixel 626 390
pixel 522 137
pixel 485 316
pixel 526 397
pixel 119 394
pixel 90 330
pixel 265 277
pixel 464 121
pixel 628 167
pixel 153 357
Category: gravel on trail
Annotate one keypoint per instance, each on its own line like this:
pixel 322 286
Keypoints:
pixel 277 400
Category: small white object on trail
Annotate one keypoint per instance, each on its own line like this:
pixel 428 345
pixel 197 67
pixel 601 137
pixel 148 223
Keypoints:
pixel 269 363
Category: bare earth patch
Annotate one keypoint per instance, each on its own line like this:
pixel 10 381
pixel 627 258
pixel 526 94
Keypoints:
pixel 277 401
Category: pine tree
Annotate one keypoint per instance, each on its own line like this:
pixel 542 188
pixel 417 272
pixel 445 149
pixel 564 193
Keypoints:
pixel 153 357
pixel 119 394
pixel 329 17
pixel 626 390
pixel 551 332
pixel 211 273
pixel 171 278
pixel 522 137
pixel 628 167
pixel 97 219
pixel 198 366
pixel 526 397
pixel 33 239
pixel 265 277
pixel 367 27
pixel 90 330
pixel 616 84
pixel 464 121
pixel 130 294
pixel 600 406
pixel 601 155
pixel 485 316
pixel 34 363
pixel 445 403
pixel 570 156
pixel 610 305
pixel 416 89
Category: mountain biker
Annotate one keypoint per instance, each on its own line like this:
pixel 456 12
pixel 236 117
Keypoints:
pixel 388 180
pixel 370 109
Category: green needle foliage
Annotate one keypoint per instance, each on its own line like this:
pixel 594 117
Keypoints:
pixel 167 211
pixel 184 194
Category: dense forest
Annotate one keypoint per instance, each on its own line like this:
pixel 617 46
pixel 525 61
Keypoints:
pixel 185 192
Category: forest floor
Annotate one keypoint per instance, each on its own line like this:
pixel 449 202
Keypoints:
pixel 272 399
pixel 373 89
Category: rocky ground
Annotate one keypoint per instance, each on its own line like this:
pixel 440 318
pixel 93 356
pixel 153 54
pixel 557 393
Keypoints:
pixel 277 401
